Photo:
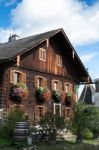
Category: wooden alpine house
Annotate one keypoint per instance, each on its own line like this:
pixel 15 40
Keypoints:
pixel 40 73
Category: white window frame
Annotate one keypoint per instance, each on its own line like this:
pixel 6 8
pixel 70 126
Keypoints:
pixel 42 54
pixel 59 60
pixel 54 108
pixel 59 84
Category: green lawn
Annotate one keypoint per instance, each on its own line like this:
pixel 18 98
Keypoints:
pixel 4 141
pixel 60 145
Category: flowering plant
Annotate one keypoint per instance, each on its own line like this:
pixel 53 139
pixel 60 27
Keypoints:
pixel 69 94
pixel 18 92
pixel 63 96
pixel 42 94
pixel 56 96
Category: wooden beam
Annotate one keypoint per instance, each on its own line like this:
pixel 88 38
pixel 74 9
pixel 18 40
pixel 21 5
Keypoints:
pixel 47 42
pixel 18 60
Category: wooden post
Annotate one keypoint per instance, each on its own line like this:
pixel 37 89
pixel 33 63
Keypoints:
pixel 18 60
pixel 47 42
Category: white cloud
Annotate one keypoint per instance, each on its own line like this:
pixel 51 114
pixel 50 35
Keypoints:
pixel 88 57
pixel 80 22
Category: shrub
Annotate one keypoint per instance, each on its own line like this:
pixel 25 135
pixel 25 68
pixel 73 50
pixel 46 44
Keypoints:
pixel 6 130
pixel 87 134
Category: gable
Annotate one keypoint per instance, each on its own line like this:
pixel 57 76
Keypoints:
pixel 8 51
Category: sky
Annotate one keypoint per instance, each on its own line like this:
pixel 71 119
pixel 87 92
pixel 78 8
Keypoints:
pixel 78 18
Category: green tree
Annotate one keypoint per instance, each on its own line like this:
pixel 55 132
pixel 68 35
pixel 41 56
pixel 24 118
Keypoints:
pixel 85 116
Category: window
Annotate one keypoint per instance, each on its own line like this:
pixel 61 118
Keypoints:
pixel 67 87
pixel 59 60
pixel 40 81
pixel 42 54
pixel 56 85
pixel 17 77
pixel 57 109
pixel 40 111
pixel 67 113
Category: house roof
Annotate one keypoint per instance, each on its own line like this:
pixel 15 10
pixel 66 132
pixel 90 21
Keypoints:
pixel 9 50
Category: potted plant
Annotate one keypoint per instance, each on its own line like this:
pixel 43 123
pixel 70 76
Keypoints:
pixel 56 96
pixel 42 94
pixel 46 94
pixel 18 92
pixel 69 95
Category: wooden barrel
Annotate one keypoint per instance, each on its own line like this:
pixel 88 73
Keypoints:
pixel 21 132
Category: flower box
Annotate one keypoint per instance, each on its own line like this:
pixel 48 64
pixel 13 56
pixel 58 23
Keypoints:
pixel 18 92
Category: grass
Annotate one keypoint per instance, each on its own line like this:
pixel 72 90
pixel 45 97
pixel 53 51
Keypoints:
pixel 60 145
pixel 4 141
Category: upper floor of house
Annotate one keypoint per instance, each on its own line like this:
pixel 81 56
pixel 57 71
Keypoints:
pixel 50 52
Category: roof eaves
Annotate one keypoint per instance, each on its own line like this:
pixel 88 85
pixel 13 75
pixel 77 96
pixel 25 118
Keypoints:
pixel 75 53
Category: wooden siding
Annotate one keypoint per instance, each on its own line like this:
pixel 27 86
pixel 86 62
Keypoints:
pixel 32 66
pixel 30 60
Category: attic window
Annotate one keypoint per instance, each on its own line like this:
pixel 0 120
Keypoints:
pixel 59 60
pixel 42 54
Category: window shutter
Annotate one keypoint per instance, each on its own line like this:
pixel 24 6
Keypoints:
pixel 11 76
pixel 36 112
pixel 60 86
pixel 23 78
pixel 45 82
pixel 36 81
pixel 40 53
pixel 52 84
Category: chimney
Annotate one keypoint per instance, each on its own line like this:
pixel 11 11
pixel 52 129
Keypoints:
pixel 13 37
pixel 97 85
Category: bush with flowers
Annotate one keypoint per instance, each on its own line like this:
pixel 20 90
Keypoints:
pixel 18 92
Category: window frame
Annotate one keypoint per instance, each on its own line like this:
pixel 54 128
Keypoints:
pixel 37 115
pixel 44 82
pixel 66 87
pixel 59 60
pixel 21 76
pixel 54 108
pixel 59 85
pixel 66 113
pixel 42 54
